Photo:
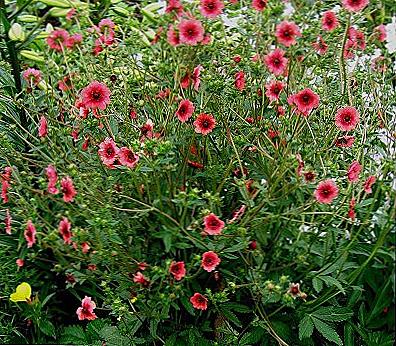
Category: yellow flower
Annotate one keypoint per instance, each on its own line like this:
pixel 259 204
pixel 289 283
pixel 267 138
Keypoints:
pixel 22 293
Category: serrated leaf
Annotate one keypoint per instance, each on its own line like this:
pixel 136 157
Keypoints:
pixel 252 337
pixel 333 314
pixel 73 335
pixel 317 284
pixel 327 331
pixel 236 307
pixel 231 316
pixel 47 328
pixel 305 327
pixel 187 305
pixel 330 281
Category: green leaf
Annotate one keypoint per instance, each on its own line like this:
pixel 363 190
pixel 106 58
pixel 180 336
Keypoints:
pixel 330 281
pixel 236 307
pixel 231 316
pixel 47 327
pixel 187 305
pixel 305 327
pixel 327 331
pixel 317 284
pixel 333 314
pixel 253 336
pixel 73 335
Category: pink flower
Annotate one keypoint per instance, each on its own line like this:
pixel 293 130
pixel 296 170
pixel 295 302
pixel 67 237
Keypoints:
pixel 213 225
pixel 96 95
pixel 85 312
pixel 172 36
pixel 20 262
pixel 259 5
pixel 273 89
pixel 211 8
pixel 32 76
pixel 210 260
pixel 347 118
pixel 286 33
pixel 204 124
pixel 7 222
pixel 30 234
pixel 68 189
pixel 345 141
pixel 140 278
pixel 369 183
pixel 127 157
pixel 301 164
pixel 276 61
pixel 329 21
pixel 326 191
pixel 73 41
pixel 320 46
pixel 106 24
pixel 191 31
pixel 199 301
pixel 351 211
pixel 348 49
pixel 57 39
pixel 357 38
pixel 178 270
pixel 354 171
pixel 305 101
pixel 108 151
pixel 185 110
pixel 196 77
pixel 380 32
pixel 85 247
pixel 43 127
pixel 354 5
pixel 240 80
pixel 52 179
pixel 64 230
pixel 174 5
pixel 70 14
pixel 4 190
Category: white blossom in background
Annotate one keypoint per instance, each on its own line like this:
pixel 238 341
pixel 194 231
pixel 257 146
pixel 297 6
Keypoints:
pixel 161 10
pixel 288 10
pixel 391 36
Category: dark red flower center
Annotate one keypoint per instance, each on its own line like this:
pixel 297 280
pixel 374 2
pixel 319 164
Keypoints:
pixel 96 95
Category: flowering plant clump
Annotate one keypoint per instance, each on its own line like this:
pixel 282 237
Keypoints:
pixel 215 172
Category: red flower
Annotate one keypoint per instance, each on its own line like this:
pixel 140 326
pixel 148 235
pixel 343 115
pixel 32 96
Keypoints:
pixel 305 100
pixel 57 39
pixel 68 189
pixel 85 312
pixel 7 222
pixel 380 31
pixel 286 33
pixel 347 118
pixel 199 301
pixel 309 177
pixel 32 76
pixel 351 211
pixel 127 157
pixel 273 89
pixel 196 80
pixel 178 270
pixel 294 290
pixel 140 278
pixel 329 21
pixel 354 5
pixel 354 171
pixel 30 234
pixel 210 260
pixel 195 164
pixel 52 179
pixel 369 183
pixel 326 191
pixel 357 38
pixel 320 46
pixel 185 110
pixel 204 124
pixel 108 151
pixel 259 5
pixel 345 141
pixel 172 37
pixel 174 5
pixel 301 164
pixel 43 127
pixel 191 32
pixel 4 187
pixel 96 95
pixel 85 247
pixel 20 262
pixel 213 225
pixel 211 8
pixel 240 80
pixel 276 61
pixel 64 230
